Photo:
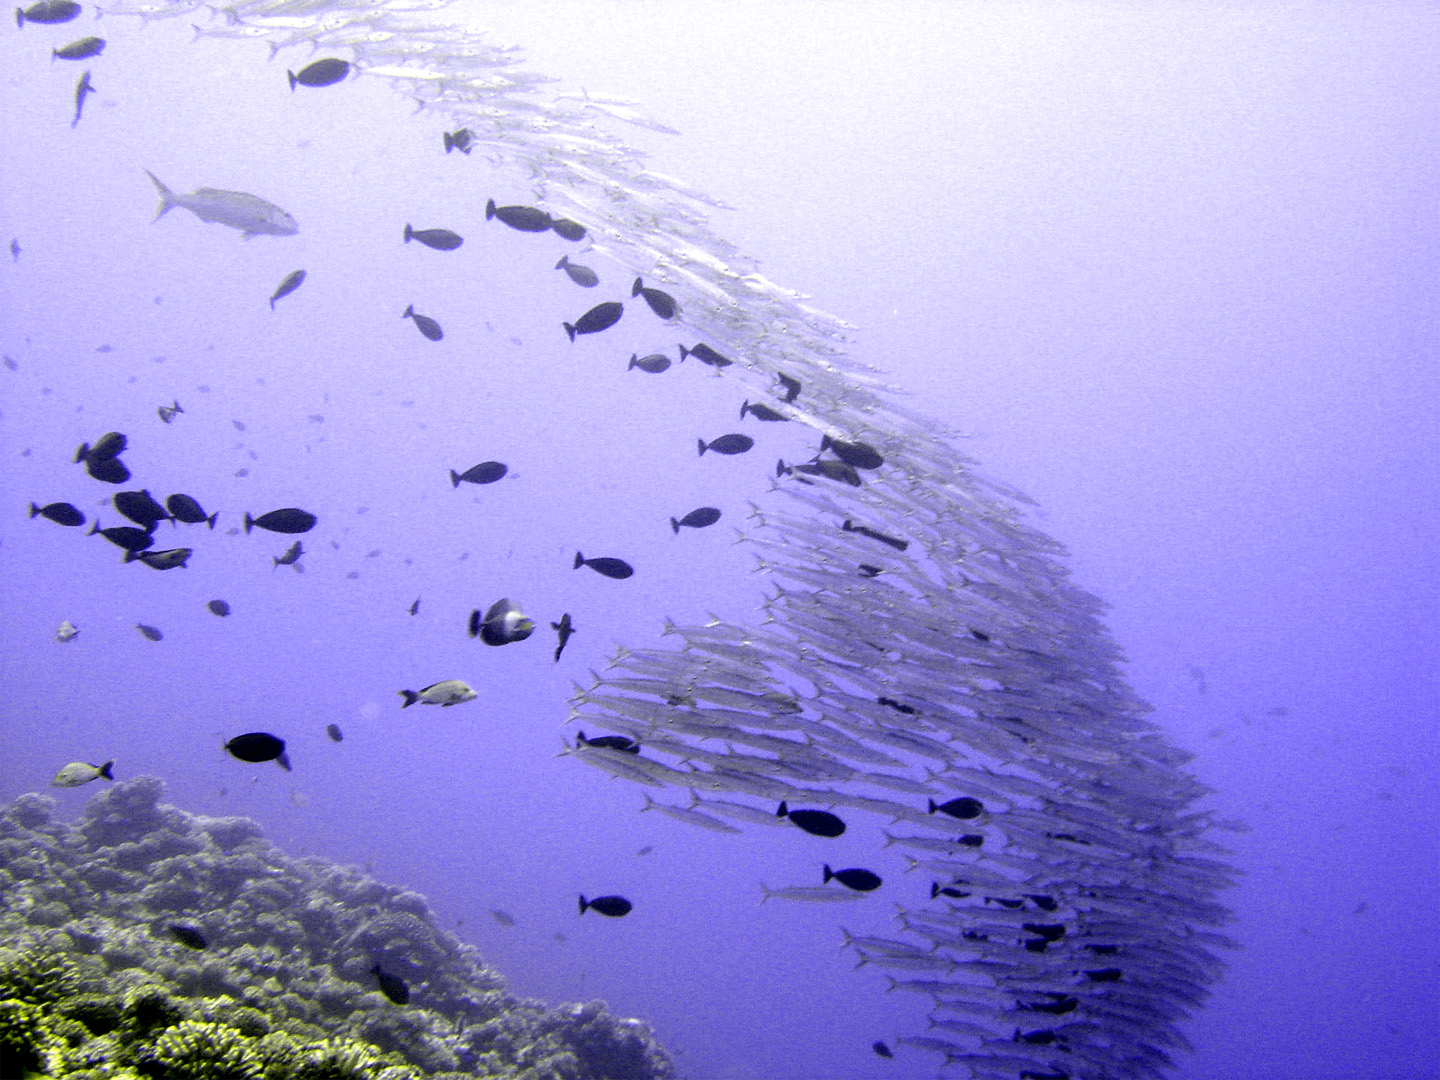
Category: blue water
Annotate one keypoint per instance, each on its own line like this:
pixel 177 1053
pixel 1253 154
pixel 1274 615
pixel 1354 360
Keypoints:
pixel 1171 273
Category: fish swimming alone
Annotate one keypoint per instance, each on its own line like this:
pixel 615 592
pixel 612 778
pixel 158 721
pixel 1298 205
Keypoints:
pixel 80 772
pixel 83 89
pixel 292 281
pixel 426 325
pixel 564 629
pixel 47 11
pixel 289 519
pixel 82 49
pixel 258 746
pixel 815 822
pixel 252 215
pixel 964 808
pixel 661 303
pixel 150 633
pixel 598 318
pixel 291 556
pixel 487 472
pixel 611 906
pixel 502 624
pixel 853 878
pixel 701 518
pixel 653 364
pixel 706 355
pixel 439 239
pixel 446 693
pixel 618 569
pixel 67 632
pixel 167 413
pixel 326 72
pixel 461 140
pixel 727 444
pixel 524 218
pixel 62 513
pixel 334 733
pixel 218 607
pixel 580 275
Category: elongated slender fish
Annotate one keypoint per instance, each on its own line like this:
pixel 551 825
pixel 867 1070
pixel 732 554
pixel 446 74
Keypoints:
pixel 83 88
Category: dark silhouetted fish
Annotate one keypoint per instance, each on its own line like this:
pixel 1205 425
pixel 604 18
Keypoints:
pixel 792 387
pixel 326 72
pixel 815 822
pixel 860 455
pixel 524 218
pixel 936 889
pixel 613 906
pixel 898 706
pixel 881 1049
pixel 426 325
pixel 502 624
pixel 82 49
pixel 761 412
pixel 290 557
pixel 62 513
pixel 188 936
pixel 167 413
pixel 110 470
pixel 618 569
pixel 415 607
pixel 600 317
pixel 392 986
pixel 168 559
pixel 258 746
pixel 826 467
pixel 293 281
pixel 124 536
pixel 460 140
pixel 150 633
pixel 14 257
pixel 439 239
pixel 580 275
pixel 884 538
pixel 854 878
pixel 185 509
pixel 870 570
pixel 609 742
pixel 333 730
pixel 706 355
pixel 662 303
pixel 963 808
pixel 569 230
pixel 504 918
pixel 564 629
pixel 653 364
pixel 727 444
pixel 140 507
pixel 487 472
pixel 218 607
pixel 111 444
pixel 47 11
pixel 696 519
pixel 288 519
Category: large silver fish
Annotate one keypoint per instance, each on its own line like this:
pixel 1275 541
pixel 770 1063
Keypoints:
pixel 252 215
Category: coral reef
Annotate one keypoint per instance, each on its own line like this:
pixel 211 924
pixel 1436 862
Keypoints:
pixel 94 984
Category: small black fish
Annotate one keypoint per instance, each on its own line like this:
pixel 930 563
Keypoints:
pixel 611 568
pixel 727 444
pixel 826 467
pixel 564 629
pixel 613 906
pixel 936 889
pixel 185 509
pixel 580 275
pixel 150 633
pixel 82 88
pixel 898 706
pixel 288 519
pixel 82 49
pixel 1104 975
pixel 884 538
pixel 970 840
pixel 653 364
pixel 600 317
pixel 706 355
pixel 439 239
pixel 762 412
pixel 487 472
pixel 696 519
pixel 860 455
pixel 325 72
pixel 188 936
pixel 14 257
pixel 881 1049
pixel 291 556
pixel 293 281
pixel 609 742
pixel 124 536
pixel 459 140
pixel 426 325
pixel 869 570
pixel 854 878
pixel 111 444
pixel 47 11
pixel 218 607
pixel 979 635
pixel 524 218
pixel 963 808
pixel 662 303
pixel 567 229
pixel 333 730
pixel 110 470
pixel 62 513
pixel 140 507
pixel 792 387
pixel 167 413
pixel 415 607
pixel 392 986
pixel 258 746
pixel 815 822
pixel 167 559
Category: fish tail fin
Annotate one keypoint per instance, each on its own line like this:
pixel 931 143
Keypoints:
pixel 579 561
pixel 703 447
pixel 410 697
pixel 34 510
pixel 293 80
pixel 409 312
pixel 409 232
pixel 167 197
pixel 249 524
pixel 564 262
pixel 744 408
pixel 81 452
pixel 490 212
pixel 933 807
pixel 684 352
pixel 130 556
pixel 650 804
pixel 765 892
pixel 209 520
pixel 583 902
pixel 674 526
pixel 782 810
pixel 454 479
pixel 569 330
pixel 635 289
pixel 449 142
pixel 20 18
pixel 108 770
pixel 828 874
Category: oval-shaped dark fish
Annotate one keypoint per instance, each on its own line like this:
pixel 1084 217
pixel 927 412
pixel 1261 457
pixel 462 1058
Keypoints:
pixel 426 325
pixel 618 569
pixel 188 936
pixel 857 454
pixel 761 412
pixel 325 72
pixel 288 519
pixel 109 445
pixel 696 519
pixel 963 808
pixel 524 218
pixel 600 317
pixel 567 229
pixel 47 11
pixel 168 559
pixel 706 355
pixel 580 275
pixel 140 507
pixel 653 364
pixel 62 513
pixel 185 509
pixel 439 239
pixel 256 746
pixel 82 49
pixel 218 607
pixel 459 140
pixel 881 1049
pixel 662 303
pixel 487 472
pixel 609 742
pixel 333 730
pixel 124 536
pixel 290 557
pixel 815 822
pixel 293 281
pixel 613 906
pixel 854 878
pixel 727 444
pixel 392 986
pixel 110 470
pixel 150 633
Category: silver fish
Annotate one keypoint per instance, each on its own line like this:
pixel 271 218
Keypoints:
pixel 447 693
pixel 252 215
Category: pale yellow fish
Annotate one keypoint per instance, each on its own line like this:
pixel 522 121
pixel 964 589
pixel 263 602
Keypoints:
pixel 67 631
pixel 79 772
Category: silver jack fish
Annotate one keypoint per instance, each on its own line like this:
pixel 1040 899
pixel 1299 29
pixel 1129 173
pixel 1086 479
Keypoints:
pixel 250 214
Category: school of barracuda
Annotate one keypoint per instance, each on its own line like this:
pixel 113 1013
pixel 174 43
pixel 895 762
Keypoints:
pixel 920 643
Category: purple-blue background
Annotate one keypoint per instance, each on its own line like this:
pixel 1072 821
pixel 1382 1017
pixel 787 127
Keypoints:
pixel 1173 270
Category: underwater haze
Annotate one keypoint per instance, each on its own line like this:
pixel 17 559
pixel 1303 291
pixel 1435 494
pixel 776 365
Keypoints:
pixel 1170 270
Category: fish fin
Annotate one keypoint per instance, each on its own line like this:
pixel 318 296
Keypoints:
pixel 410 697
pixel 167 197
pixel 107 770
